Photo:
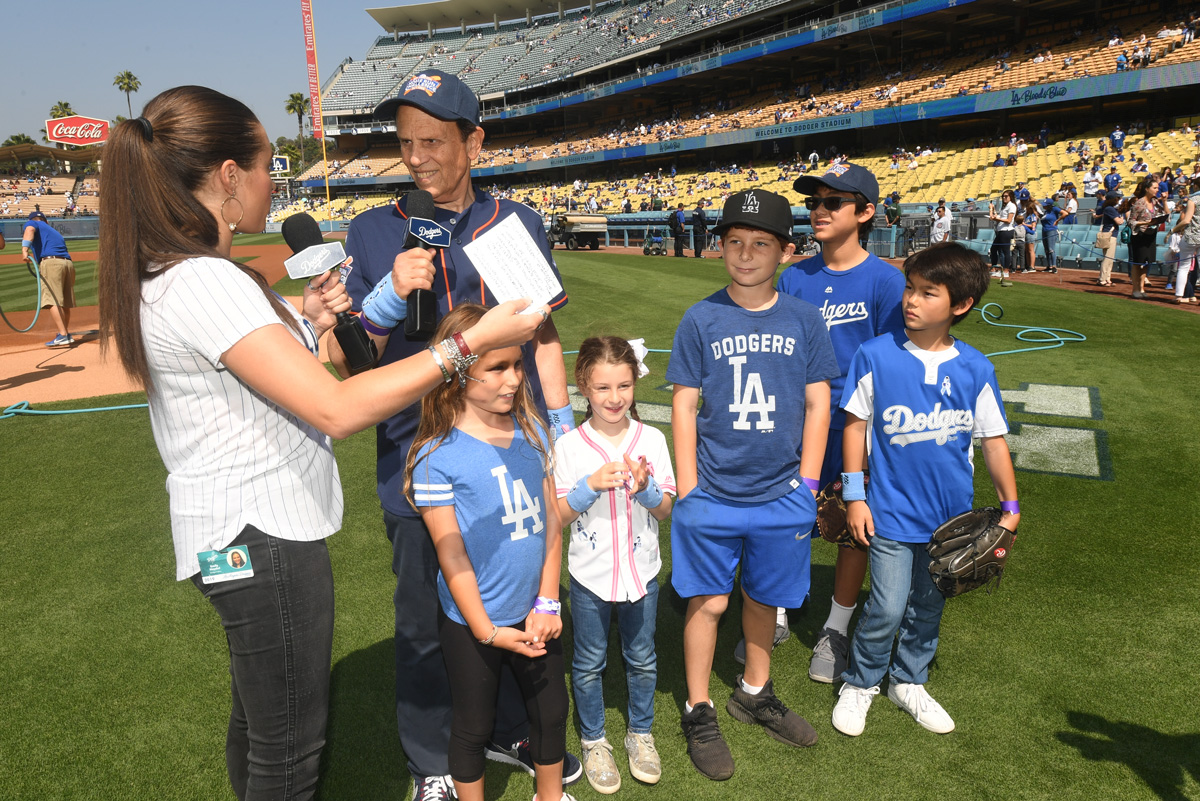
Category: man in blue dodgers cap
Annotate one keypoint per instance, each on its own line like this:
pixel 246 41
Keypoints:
pixel 437 123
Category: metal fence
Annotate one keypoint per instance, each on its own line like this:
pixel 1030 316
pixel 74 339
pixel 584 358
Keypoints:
pixel 70 228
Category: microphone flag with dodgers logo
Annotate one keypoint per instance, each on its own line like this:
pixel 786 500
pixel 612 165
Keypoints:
pixel 420 321
pixel 312 255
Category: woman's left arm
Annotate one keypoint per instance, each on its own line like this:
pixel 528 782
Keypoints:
pixel 542 626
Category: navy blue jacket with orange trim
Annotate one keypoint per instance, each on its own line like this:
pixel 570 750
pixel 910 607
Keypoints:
pixel 376 237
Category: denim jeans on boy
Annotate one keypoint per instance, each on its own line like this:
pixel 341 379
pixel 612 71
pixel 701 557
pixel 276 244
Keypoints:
pixel 903 599
pixel 279 627
pixel 590 617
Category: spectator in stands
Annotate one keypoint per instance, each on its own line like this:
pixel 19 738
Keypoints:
pixel 1140 166
pixel 1091 182
pixel 1112 181
pixel 1021 195
pixel 1111 220
pixel 999 162
pixel 1072 207
pixel 1117 137
pixel 940 230
pixel 437 124
pixel 1122 61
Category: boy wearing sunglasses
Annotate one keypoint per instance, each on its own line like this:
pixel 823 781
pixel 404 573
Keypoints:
pixel 858 295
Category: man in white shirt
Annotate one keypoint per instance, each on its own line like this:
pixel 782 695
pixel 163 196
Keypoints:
pixel 1091 182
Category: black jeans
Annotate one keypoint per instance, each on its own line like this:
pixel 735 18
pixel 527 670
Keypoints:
pixel 424 709
pixel 475 681
pixel 279 626
pixel 1000 249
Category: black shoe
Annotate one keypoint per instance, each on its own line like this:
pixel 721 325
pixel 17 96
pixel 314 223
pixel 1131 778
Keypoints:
pixel 519 755
pixel 705 745
pixel 769 712
pixel 433 788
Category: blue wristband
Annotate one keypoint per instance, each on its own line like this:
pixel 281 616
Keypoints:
pixel 853 487
pixel 651 496
pixel 383 306
pixel 581 497
pixel 561 420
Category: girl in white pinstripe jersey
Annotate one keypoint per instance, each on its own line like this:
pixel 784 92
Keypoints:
pixel 241 409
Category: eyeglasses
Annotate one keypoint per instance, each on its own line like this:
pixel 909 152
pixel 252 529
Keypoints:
pixel 830 203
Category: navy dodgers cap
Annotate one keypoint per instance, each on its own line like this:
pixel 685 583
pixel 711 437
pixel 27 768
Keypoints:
pixel 844 177
pixel 437 93
pixel 757 208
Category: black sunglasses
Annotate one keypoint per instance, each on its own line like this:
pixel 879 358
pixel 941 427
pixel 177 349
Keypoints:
pixel 830 203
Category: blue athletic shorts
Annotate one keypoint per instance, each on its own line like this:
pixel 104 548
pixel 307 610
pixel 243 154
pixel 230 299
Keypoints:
pixel 771 540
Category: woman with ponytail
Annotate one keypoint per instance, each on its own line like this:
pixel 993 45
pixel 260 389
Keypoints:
pixel 242 411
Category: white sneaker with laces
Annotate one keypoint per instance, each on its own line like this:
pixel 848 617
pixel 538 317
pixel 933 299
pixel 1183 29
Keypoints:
pixel 644 763
pixel 916 701
pixel 850 714
pixel 600 768
pixel 433 788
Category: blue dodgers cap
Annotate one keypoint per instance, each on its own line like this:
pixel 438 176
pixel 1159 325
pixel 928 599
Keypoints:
pixel 844 177
pixel 37 215
pixel 437 93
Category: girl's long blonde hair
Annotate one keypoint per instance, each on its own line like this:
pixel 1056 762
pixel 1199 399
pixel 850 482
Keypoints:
pixel 604 350
pixel 442 406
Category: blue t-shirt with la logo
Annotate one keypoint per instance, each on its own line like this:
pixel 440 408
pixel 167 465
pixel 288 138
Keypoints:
pixel 752 368
pixel 500 506
pixel 857 305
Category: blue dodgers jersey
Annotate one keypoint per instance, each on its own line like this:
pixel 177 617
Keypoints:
pixel 857 305
pixel 497 495
pixel 752 368
pixel 923 408
pixel 47 243
pixel 375 238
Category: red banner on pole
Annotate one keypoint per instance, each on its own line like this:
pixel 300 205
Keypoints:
pixel 314 79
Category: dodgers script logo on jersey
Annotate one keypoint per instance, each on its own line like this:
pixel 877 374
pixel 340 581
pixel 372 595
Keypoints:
pixel 518 505
pixel 838 313
pixel 940 425
pixel 751 396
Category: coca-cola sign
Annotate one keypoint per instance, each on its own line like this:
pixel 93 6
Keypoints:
pixel 77 130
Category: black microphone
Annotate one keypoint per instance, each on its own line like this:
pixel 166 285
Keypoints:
pixel 301 231
pixel 420 319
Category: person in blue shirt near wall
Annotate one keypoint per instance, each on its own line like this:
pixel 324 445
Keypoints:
pixel 42 244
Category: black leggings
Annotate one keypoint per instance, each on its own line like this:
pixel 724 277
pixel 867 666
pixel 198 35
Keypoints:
pixel 474 672
pixel 1000 249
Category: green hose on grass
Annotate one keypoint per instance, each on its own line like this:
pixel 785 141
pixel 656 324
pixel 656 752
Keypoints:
pixel 32 266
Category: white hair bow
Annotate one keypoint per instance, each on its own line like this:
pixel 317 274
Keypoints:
pixel 640 351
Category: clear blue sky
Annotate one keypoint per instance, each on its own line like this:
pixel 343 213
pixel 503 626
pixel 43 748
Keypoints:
pixel 250 49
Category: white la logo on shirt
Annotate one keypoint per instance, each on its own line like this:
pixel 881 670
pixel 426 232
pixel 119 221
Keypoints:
pixel 751 204
pixel 753 399
pixel 518 505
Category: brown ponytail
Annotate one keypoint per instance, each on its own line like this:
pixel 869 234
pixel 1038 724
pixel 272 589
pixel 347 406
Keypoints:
pixel 150 217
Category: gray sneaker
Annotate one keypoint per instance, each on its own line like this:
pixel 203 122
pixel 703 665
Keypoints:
pixel 830 657
pixel 781 635
pixel 644 763
pixel 600 767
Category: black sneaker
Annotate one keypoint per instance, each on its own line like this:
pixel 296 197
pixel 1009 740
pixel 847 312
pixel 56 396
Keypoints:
pixel 433 788
pixel 769 712
pixel 705 745
pixel 519 756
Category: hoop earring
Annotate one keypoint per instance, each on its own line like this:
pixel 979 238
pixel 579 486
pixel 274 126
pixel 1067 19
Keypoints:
pixel 241 211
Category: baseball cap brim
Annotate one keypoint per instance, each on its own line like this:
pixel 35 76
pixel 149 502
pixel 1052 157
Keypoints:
pixel 388 108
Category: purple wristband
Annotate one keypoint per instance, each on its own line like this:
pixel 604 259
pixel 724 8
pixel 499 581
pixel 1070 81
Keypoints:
pixel 812 483
pixel 1010 506
pixel 547 606
pixel 371 328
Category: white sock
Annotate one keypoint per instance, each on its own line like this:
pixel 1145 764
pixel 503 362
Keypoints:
pixel 687 708
pixel 751 689
pixel 781 616
pixel 590 743
pixel 839 617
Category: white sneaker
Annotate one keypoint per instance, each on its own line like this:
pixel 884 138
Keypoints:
pixel 850 714
pixel 600 767
pixel 916 701
pixel 644 762
pixel 995 273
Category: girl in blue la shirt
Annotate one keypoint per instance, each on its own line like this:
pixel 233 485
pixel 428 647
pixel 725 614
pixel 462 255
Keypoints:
pixel 479 472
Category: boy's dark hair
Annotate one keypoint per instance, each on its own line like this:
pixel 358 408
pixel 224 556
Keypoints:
pixel 961 271
pixel 860 205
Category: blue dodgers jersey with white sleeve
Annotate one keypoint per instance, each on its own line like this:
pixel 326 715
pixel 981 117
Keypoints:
pixel 923 410
pixel 857 305
pixel 752 368
pixel 498 499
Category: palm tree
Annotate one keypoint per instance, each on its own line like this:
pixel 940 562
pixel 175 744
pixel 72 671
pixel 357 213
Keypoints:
pixel 299 105
pixel 127 82
pixel 61 109
pixel 19 139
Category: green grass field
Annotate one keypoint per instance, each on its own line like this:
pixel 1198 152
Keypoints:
pixel 1072 681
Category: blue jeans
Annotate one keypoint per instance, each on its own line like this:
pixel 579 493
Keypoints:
pixel 903 600
pixel 590 618
pixel 279 626
pixel 1049 241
